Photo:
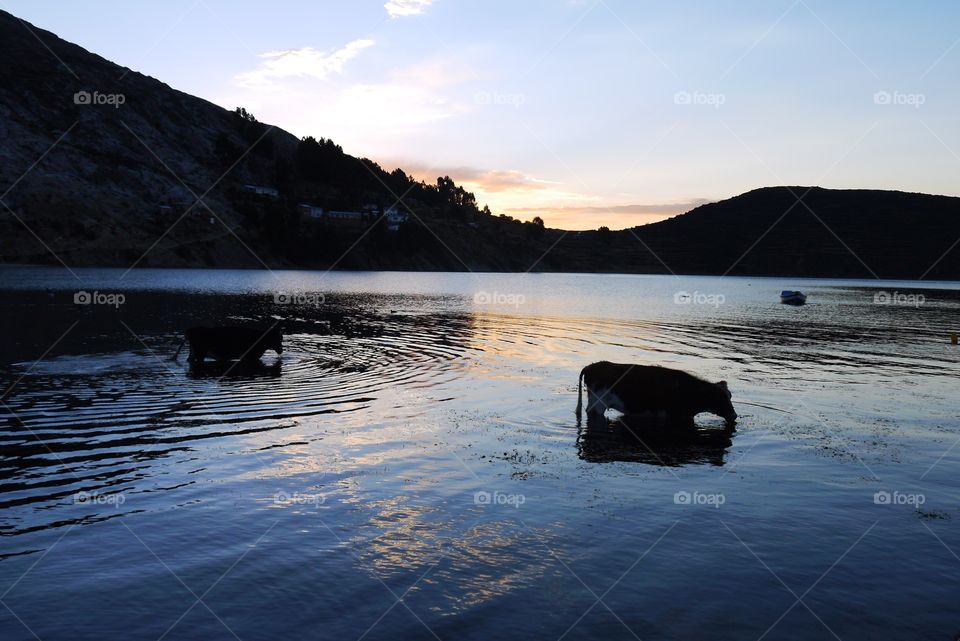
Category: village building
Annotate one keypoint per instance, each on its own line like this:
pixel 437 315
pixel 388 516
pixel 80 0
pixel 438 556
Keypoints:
pixel 368 214
pixel 261 190
pixel 395 217
pixel 174 209
pixel 347 218
pixel 310 212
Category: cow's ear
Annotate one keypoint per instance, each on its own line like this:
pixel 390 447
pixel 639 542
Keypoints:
pixel 722 384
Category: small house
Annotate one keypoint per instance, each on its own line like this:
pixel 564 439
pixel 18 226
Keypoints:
pixel 346 217
pixel 173 209
pixel 310 212
pixel 395 217
pixel 260 190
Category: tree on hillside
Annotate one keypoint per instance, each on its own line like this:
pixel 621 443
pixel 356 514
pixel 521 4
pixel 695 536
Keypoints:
pixel 244 114
pixel 535 228
pixel 450 194
pixel 321 160
pixel 254 132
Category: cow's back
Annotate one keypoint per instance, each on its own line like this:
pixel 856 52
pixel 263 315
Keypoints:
pixel 223 342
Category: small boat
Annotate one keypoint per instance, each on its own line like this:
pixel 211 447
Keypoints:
pixel 791 297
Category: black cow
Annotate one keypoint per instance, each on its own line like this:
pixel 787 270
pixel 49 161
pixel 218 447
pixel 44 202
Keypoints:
pixel 230 343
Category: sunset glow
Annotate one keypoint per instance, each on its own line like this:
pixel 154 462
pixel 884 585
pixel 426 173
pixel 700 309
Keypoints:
pixel 585 113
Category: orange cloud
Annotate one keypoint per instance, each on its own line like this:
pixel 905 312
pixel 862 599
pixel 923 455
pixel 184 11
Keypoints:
pixel 612 216
pixel 518 194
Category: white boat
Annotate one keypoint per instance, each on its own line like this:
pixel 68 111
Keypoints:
pixel 792 297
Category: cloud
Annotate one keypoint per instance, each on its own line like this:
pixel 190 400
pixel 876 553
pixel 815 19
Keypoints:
pixel 399 8
pixel 484 180
pixel 509 180
pixel 662 210
pixel 403 103
pixel 384 109
pixel 380 117
pixel 305 62
pixel 435 74
pixel 612 216
pixel 498 184
pixel 518 194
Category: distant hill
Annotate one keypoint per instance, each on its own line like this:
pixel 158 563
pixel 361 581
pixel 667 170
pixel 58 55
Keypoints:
pixel 810 231
pixel 101 165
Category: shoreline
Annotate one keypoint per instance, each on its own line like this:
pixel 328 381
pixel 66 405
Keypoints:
pixel 933 283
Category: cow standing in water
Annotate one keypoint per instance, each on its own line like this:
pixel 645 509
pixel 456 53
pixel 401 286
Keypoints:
pixel 654 391
pixel 230 343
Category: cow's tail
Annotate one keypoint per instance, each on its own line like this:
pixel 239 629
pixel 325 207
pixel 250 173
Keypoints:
pixel 580 394
pixel 177 355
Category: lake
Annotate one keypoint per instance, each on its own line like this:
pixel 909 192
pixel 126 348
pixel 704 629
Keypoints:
pixel 411 466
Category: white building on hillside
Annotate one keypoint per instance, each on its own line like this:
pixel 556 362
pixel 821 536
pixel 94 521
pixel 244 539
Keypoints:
pixel 395 217
pixel 309 211
pixel 260 190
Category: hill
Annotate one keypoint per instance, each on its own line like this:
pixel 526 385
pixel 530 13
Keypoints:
pixel 101 165
pixel 810 231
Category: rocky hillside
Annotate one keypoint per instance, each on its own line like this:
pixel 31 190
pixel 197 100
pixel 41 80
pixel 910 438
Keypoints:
pixel 105 169
pixel 101 165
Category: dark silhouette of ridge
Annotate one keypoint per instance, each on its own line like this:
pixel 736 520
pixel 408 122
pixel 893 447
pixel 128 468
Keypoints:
pixel 811 231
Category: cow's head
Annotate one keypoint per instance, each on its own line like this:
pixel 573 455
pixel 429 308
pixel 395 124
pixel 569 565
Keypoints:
pixel 721 404
pixel 275 341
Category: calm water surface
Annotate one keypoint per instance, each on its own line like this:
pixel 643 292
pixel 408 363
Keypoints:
pixel 412 468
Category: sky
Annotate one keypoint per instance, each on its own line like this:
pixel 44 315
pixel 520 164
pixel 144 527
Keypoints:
pixel 582 112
